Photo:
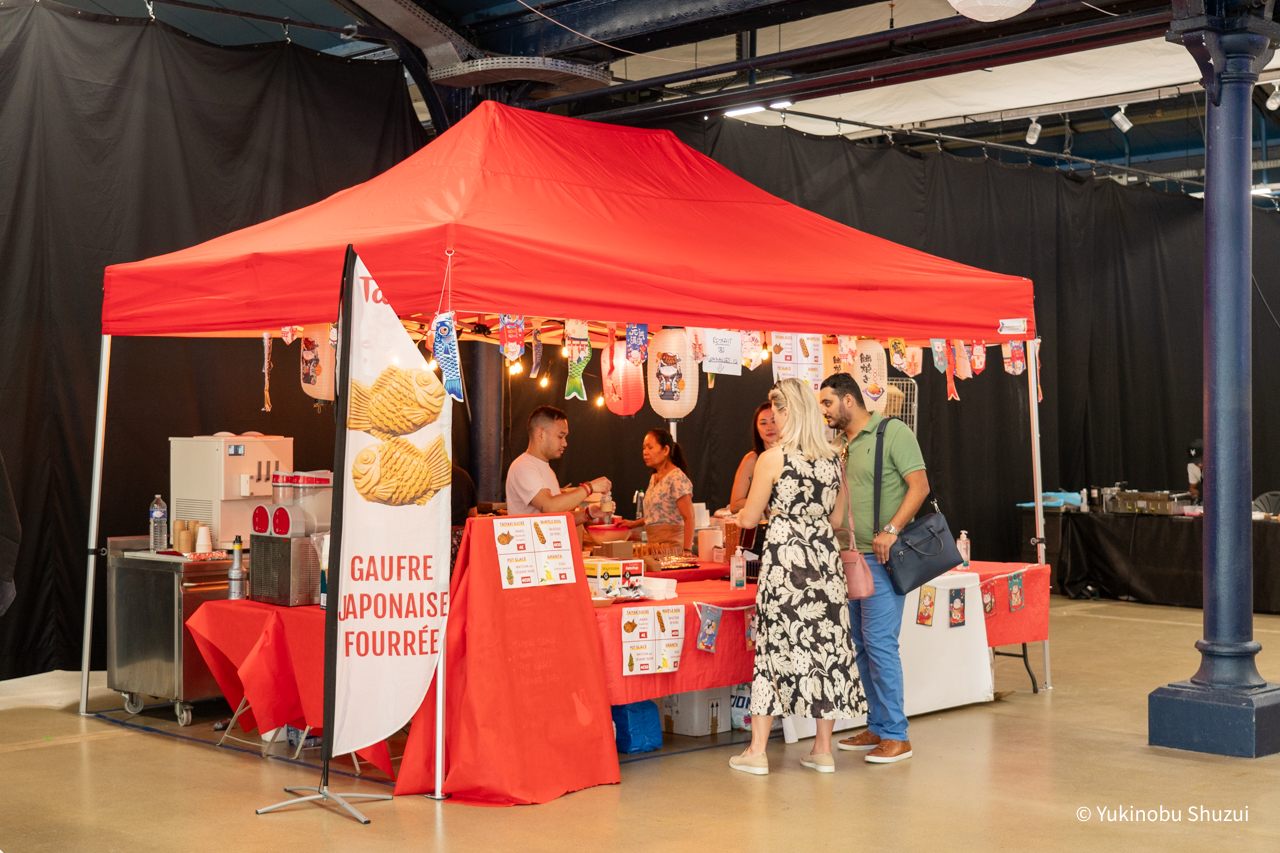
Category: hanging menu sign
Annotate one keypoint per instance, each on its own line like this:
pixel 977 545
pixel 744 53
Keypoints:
pixel 533 551
pixel 798 357
pixel 723 352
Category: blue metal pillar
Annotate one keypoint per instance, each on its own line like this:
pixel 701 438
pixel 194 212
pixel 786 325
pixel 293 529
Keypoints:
pixel 1226 708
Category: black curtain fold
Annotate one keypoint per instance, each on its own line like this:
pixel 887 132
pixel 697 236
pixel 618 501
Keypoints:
pixel 121 139
pixel 1119 304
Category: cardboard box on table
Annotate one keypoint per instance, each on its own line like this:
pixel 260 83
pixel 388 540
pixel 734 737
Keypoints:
pixel 698 713
pixel 608 577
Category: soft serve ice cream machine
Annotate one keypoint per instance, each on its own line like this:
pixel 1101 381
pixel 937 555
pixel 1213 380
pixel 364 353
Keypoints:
pixel 219 479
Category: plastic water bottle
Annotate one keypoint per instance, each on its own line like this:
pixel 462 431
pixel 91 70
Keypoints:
pixel 962 545
pixel 738 570
pixel 235 577
pixel 158 516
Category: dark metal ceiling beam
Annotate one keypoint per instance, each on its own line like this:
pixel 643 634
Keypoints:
pixel 415 62
pixel 945 32
pixel 357 32
pixel 960 141
pixel 637 26
pixel 1037 44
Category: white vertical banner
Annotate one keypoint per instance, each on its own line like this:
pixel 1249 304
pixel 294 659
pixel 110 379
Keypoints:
pixel 394 548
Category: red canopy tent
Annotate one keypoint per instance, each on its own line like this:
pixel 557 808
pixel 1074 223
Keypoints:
pixel 557 217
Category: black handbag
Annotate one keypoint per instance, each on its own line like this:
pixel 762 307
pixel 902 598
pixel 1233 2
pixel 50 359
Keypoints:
pixel 925 547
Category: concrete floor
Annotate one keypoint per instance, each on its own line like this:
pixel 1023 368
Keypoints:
pixel 1011 774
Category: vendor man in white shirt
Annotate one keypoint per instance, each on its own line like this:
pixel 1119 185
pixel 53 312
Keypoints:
pixel 531 484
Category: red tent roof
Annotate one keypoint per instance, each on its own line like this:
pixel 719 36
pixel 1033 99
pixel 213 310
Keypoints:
pixel 558 217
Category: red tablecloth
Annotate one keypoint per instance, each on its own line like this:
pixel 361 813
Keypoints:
pixel 730 664
pixel 274 657
pixel 1031 623
pixel 525 696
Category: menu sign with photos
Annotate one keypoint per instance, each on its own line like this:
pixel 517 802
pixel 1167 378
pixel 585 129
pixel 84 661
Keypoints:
pixel 798 356
pixel 652 639
pixel 533 551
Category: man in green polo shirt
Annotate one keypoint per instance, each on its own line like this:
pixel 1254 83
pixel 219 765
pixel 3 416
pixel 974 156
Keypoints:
pixel 875 622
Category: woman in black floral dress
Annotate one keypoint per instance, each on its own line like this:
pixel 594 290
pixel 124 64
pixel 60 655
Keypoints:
pixel 804 653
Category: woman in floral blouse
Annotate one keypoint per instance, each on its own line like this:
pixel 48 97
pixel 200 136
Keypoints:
pixel 668 501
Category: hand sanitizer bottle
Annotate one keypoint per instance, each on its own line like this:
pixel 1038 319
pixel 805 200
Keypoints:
pixel 738 570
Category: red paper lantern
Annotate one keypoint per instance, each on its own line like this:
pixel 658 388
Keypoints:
pixel 623 381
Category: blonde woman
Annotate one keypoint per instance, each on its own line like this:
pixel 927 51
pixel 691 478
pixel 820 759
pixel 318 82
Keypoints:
pixel 804 654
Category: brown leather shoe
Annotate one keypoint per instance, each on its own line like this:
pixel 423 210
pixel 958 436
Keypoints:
pixel 863 740
pixel 889 751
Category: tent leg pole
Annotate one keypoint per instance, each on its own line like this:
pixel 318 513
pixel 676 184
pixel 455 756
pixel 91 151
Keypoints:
pixel 439 793
pixel 1037 474
pixel 95 503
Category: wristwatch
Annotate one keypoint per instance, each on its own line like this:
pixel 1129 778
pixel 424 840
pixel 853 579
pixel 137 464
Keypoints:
pixel 890 529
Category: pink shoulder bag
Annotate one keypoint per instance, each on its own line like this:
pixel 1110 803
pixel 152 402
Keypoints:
pixel 857 574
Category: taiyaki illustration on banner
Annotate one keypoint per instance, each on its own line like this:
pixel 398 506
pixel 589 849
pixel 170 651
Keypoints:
pixel 398 403
pixel 397 473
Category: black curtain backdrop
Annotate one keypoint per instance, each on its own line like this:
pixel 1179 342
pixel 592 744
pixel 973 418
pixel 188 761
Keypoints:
pixel 1118 276
pixel 120 140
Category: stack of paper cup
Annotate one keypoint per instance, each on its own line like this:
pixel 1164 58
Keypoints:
pixel 204 542
pixel 701 518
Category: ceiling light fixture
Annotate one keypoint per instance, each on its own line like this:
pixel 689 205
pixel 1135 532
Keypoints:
pixel 1033 131
pixel 1273 102
pixel 1121 121
pixel 743 111
pixel 779 105
pixel 990 10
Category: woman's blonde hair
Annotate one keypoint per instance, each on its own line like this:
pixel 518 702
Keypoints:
pixel 804 431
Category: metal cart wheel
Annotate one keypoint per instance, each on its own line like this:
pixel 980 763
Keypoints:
pixel 183 713
pixel 132 703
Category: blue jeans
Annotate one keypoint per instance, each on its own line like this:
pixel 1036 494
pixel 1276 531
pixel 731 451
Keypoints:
pixel 876 623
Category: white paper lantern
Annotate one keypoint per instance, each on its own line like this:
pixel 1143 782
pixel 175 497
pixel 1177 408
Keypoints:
pixel 317 360
pixel 673 375
pixel 990 10
pixel 622 379
pixel 871 372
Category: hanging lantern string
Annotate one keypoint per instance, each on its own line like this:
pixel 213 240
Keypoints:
pixel 446 288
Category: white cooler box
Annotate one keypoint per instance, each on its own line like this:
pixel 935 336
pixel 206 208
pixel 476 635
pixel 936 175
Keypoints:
pixel 699 713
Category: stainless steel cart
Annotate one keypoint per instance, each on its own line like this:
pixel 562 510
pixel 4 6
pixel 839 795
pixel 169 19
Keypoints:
pixel 149 650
